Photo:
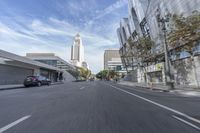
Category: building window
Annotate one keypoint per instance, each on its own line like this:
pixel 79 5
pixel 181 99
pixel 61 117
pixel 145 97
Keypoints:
pixel 145 28
pixel 196 49
pixel 184 54
pixel 124 33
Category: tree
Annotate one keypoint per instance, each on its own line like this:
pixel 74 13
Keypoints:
pixel 102 74
pixel 185 31
pixel 107 74
pixel 141 51
pixel 113 74
pixel 84 72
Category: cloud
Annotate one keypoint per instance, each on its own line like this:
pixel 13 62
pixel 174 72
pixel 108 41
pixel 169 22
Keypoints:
pixel 107 20
pixel 79 11
pixel 108 10
pixel 37 39
pixel 53 34
pixel 112 8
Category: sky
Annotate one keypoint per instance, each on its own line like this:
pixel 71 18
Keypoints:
pixel 50 26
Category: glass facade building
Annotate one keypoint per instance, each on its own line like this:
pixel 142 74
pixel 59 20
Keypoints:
pixel 142 21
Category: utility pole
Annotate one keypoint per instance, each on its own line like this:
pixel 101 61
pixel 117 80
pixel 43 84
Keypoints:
pixel 162 21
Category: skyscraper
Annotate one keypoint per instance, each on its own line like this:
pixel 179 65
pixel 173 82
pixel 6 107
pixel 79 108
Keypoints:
pixel 77 52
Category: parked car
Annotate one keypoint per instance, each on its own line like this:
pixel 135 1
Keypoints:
pixel 36 81
pixel 92 79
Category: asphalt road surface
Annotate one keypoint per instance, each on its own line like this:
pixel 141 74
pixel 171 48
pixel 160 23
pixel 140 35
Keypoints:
pixel 96 107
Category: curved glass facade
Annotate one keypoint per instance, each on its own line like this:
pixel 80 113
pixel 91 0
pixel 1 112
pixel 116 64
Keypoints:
pixel 143 22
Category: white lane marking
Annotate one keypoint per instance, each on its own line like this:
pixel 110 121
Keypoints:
pixel 82 88
pixel 160 105
pixel 13 123
pixel 186 122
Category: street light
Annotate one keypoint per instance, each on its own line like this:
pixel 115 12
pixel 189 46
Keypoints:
pixel 163 20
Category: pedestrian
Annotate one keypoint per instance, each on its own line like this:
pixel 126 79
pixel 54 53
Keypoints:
pixel 116 79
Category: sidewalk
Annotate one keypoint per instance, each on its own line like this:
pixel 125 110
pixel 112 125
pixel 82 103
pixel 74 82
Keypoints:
pixel 16 86
pixel 179 89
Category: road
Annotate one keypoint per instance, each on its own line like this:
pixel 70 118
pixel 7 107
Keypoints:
pixel 96 107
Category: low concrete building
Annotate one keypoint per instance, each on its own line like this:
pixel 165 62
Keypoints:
pixel 50 59
pixel 14 69
pixel 55 61
pixel 112 61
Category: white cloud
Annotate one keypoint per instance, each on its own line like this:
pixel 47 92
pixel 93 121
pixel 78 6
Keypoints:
pixel 108 10
pixel 112 8
pixel 77 8
pixel 34 41
pixel 54 35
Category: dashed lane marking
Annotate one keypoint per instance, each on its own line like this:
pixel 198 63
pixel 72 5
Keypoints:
pixel 82 88
pixel 3 129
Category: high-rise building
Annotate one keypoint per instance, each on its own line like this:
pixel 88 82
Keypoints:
pixel 77 53
pixel 153 19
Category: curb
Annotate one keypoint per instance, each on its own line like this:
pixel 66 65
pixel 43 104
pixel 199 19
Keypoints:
pixel 149 88
pixel 175 91
pixel 57 83
pixel 154 89
pixel 11 88
pixel 18 87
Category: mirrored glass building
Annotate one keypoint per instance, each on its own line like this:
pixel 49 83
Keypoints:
pixel 145 19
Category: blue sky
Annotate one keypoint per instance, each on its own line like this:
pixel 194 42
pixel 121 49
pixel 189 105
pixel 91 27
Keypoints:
pixel 50 26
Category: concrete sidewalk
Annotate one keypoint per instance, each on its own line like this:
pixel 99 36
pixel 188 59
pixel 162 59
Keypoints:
pixel 179 89
pixel 16 86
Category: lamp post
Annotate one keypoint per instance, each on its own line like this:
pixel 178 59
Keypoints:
pixel 162 21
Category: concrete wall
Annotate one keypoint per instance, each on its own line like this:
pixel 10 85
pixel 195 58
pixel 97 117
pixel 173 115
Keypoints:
pixel 187 71
pixel 13 74
pixel 132 76
pixel 184 72
pixel 68 77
